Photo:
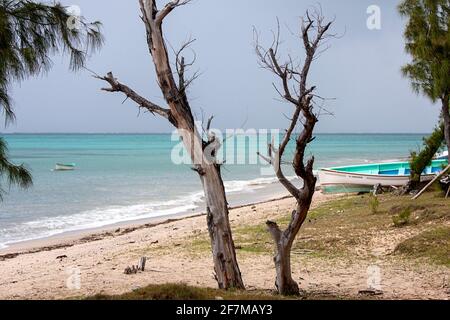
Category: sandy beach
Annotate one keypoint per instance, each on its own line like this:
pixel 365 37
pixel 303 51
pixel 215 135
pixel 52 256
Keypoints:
pixel 39 269
pixel 45 269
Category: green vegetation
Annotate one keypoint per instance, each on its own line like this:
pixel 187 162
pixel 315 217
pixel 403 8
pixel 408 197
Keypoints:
pixel 421 212
pixel 419 161
pixel 428 42
pixel 433 244
pixel 334 228
pixel 30 33
pixel 402 219
pixel 374 204
pixel 173 291
pixel 14 174
pixel 254 239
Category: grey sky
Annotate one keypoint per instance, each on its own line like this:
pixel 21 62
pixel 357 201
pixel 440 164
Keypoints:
pixel 361 70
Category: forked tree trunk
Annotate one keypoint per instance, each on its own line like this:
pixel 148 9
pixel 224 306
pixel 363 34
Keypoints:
pixel 302 99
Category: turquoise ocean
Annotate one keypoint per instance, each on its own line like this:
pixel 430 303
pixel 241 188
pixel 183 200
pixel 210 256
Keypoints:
pixel 125 177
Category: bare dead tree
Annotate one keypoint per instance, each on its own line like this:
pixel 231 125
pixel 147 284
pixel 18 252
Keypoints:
pixel 294 90
pixel 202 151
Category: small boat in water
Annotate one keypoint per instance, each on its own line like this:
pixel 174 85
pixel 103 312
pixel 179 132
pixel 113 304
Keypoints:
pixel 362 178
pixel 64 166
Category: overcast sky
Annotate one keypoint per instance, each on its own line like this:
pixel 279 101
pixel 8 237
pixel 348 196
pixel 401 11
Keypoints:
pixel 361 71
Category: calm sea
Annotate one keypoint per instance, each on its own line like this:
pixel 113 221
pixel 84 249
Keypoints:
pixel 128 177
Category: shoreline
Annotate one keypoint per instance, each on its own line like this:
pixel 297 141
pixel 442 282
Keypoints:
pixel 71 238
pixel 246 196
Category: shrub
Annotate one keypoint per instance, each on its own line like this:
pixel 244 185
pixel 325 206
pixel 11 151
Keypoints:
pixel 374 203
pixel 402 218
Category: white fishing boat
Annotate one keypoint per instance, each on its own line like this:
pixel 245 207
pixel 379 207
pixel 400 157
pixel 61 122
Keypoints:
pixel 64 167
pixel 442 155
pixel 361 178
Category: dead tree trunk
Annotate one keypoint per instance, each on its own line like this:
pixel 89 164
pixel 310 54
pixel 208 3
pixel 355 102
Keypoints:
pixel 282 259
pixel 295 91
pixel 284 282
pixel 226 267
pixel 202 153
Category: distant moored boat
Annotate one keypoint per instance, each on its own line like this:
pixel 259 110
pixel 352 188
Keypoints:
pixel 360 178
pixel 64 166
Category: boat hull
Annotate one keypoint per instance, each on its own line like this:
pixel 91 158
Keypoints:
pixel 361 178
pixel 335 181
pixel 443 155
pixel 64 167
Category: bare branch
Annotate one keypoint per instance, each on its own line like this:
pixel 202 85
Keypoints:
pixel 266 159
pixel 182 66
pixel 276 38
pixel 208 124
pixel 168 8
pixel 313 33
pixel 116 86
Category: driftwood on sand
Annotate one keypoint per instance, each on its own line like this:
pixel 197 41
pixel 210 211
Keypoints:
pixel 135 268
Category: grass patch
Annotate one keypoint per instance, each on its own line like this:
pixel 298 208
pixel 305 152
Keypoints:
pixel 432 244
pixel 412 212
pixel 254 239
pixel 402 219
pixel 179 291
pixel 334 228
pixel 172 291
pixel 374 204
